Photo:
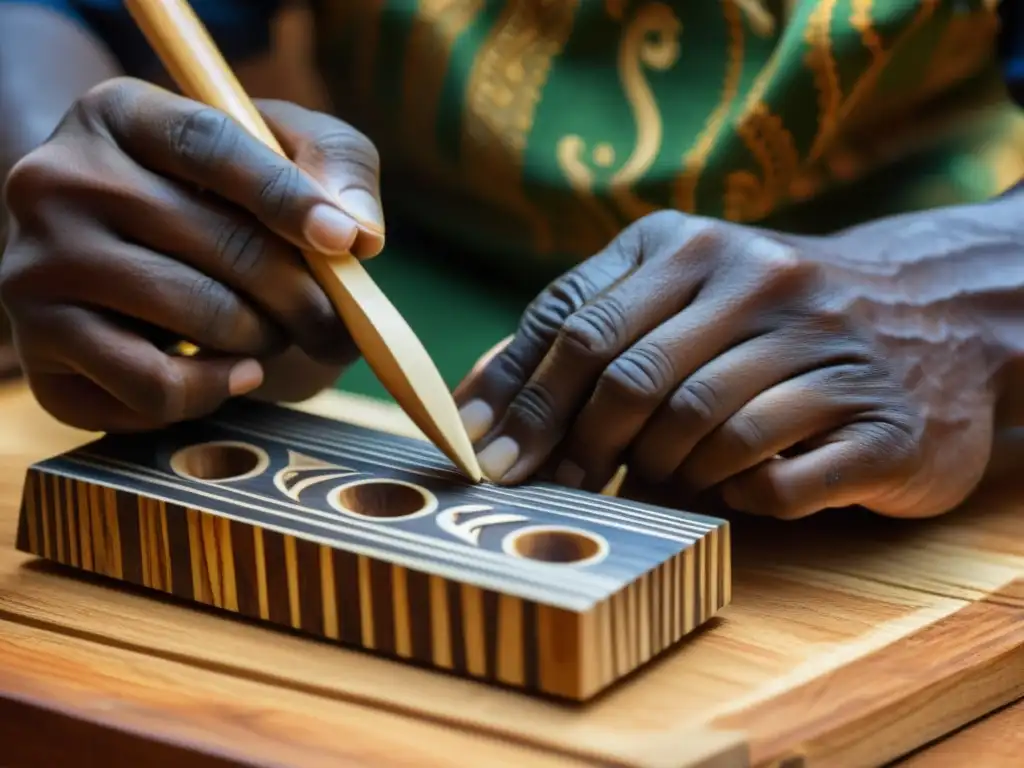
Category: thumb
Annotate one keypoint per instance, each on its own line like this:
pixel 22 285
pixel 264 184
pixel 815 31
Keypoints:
pixel 345 163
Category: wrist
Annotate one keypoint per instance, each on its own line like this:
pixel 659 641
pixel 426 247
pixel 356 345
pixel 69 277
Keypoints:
pixel 950 280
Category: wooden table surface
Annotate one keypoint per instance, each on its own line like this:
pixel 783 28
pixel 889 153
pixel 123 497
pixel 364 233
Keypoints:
pixel 86 666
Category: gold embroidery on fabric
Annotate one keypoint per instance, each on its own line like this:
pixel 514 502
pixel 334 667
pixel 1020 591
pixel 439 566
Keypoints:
pixel 505 86
pixel 696 158
pixel 748 197
pixel 966 46
pixel 823 66
pixel 438 24
pixel 869 78
pixel 860 19
pixel 651 39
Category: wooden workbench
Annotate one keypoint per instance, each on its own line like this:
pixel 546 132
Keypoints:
pixel 851 641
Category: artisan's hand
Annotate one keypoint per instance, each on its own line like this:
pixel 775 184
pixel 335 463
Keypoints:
pixel 148 218
pixel 708 356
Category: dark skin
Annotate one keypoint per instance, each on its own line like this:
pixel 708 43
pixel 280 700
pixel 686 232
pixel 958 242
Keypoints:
pixel 781 375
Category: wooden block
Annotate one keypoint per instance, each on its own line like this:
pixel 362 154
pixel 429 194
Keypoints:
pixel 375 541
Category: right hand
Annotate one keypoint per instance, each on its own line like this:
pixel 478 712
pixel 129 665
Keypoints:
pixel 148 218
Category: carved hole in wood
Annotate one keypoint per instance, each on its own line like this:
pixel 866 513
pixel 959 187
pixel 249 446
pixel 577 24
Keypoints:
pixel 383 499
pixel 556 544
pixel 219 461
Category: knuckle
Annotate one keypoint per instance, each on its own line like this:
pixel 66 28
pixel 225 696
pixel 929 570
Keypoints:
pixel 19 276
pixel 829 320
pixel 779 268
pixel 213 307
pixel 596 330
pixel 542 321
pixel 346 145
pixel 533 407
pixel 165 397
pixel 281 187
pixel 643 372
pixel 894 441
pixel 242 247
pixel 745 431
pixel 695 400
pixel 200 137
pixel 31 181
pixel 115 91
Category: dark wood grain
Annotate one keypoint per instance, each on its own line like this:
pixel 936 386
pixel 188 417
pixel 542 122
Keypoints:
pixel 373 540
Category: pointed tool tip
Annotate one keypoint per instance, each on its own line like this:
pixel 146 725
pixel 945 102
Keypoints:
pixel 469 466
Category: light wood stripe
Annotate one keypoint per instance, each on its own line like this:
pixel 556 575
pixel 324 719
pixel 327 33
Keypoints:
pixel 112 534
pixel 142 508
pixel 200 587
pixel 401 608
pixel 211 558
pixel 620 605
pixel 261 573
pixel 669 604
pixel 291 566
pixel 226 565
pixel 473 630
pixel 151 542
pixel 165 548
pixel 606 640
pixel 711 576
pixel 510 663
pixel 727 565
pixel 687 589
pixel 643 624
pixel 439 623
pixel 328 593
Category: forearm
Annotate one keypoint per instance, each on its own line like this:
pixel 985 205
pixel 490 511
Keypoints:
pixel 46 62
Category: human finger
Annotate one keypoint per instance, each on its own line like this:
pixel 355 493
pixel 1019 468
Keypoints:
pixel 159 387
pixel 344 161
pixel 181 138
pixel 857 465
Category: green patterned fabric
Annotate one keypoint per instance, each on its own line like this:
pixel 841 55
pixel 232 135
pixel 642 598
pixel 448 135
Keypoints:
pixel 531 131
pixel 520 136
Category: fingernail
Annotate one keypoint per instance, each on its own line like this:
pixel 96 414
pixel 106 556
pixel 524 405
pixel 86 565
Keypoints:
pixel 245 377
pixel 329 230
pixel 498 457
pixel 569 474
pixel 477 417
pixel 363 207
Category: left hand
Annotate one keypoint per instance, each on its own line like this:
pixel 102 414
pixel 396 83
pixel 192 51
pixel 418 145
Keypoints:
pixel 711 356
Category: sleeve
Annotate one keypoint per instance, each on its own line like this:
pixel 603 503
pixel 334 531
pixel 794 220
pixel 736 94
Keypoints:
pixel 1011 47
pixel 241 28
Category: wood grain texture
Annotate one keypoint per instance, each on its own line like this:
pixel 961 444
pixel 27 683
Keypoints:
pixel 837 619
pixel 996 741
pixel 375 541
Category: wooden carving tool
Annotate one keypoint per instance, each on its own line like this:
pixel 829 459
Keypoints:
pixel 390 347
pixel 373 541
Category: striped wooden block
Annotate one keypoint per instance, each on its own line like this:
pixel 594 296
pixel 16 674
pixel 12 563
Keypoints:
pixel 375 541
